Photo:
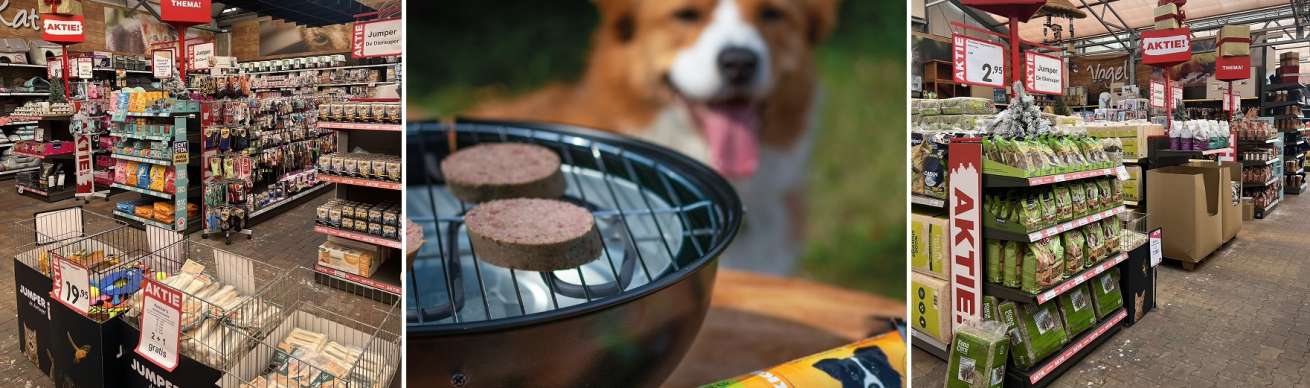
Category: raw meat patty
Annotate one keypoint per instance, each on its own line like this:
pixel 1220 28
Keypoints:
pixel 533 234
pixel 503 170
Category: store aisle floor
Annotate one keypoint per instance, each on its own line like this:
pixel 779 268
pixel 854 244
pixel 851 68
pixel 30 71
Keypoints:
pixel 285 240
pixel 1241 319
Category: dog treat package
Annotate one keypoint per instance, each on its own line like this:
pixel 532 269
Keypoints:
pixel 1035 331
pixel 992 252
pixel 978 356
pixel 874 362
pixel 1105 293
pixel 989 308
pixel 1012 265
pixel 1076 310
pixel 1074 252
pixel 930 302
pixel 1042 268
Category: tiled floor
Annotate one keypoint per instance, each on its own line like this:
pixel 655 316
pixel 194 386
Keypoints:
pixel 284 240
pixel 1241 319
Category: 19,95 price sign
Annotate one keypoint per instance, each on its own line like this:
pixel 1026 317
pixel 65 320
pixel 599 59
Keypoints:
pixel 71 285
pixel 161 321
pixel 977 62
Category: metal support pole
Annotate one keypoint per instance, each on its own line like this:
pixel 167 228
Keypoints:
pixel 1014 56
pixel 67 91
pixel 181 52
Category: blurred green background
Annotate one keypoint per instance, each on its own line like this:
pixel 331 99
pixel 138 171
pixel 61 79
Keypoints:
pixel 857 198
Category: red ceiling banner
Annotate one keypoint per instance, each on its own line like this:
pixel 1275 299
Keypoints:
pixel 186 11
pixel 1232 68
pixel 62 29
pixel 1166 47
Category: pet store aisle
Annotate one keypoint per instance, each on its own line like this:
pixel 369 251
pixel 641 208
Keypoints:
pixel 283 241
pixel 1240 319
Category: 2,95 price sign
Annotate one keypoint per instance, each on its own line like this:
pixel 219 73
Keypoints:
pixel 977 62
pixel 71 285
pixel 161 321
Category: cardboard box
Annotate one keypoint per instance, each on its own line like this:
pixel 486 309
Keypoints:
pixel 1184 201
pixel 1133 186
pixel 1248 209
pixel 928 246
pixel 349 256
pixel 1230 197
pixel 930 306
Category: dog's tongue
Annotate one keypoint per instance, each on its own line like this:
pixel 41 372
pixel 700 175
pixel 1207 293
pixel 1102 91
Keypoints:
pixel 730 129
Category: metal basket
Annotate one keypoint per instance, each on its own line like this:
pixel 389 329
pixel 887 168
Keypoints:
pixel 1135 231
pixel 117 261
pixel 228 299
pixel 343 313
pixel 35 237
pixel 663 217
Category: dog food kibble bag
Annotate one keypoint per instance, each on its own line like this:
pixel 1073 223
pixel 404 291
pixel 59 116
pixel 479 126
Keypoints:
pixel 978 356
pixel 1076 309
pixel 1105 293
pixel 1032 214
pixel 1073 251
pixel 1013 263
pixel 876 362
pixel 993 256
pixel 1035 331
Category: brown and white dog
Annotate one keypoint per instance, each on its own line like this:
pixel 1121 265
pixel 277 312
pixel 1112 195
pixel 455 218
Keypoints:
pixel 729 82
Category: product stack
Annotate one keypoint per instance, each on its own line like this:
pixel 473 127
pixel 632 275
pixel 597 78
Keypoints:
pixel 52 144
pixel 155 137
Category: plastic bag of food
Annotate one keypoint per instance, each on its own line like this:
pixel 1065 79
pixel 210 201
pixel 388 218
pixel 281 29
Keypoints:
pixel 1113 230
pixel 1063 202
pixel 1074 252
pixel 1040 269
pixel 157 174
pixel 1014 253
pixel 1057 250
pixel 1092 194
pixel 1035 331
pixel 1108 197
pixel 1077 196
pixel 994 258
pixel 1106 296
pixel 989 308
pixel 1032 214
pixel 978 356
pixel 1050 210
pixel 1077 311
pixel 880 362
pixel 1095 239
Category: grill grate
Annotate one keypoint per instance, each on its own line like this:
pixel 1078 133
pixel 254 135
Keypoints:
pixel 655 215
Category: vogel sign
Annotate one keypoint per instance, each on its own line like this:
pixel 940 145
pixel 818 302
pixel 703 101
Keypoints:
pixel 1166 47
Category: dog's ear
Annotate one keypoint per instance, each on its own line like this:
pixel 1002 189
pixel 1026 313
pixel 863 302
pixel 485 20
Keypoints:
pixel 836 368
pixel 617 18
pixel 821 16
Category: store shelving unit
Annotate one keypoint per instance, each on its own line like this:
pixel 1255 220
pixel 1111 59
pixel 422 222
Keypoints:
pixel 51 130
pixel 185 143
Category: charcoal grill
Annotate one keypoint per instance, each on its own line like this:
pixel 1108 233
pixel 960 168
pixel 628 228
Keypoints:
pixel 624 319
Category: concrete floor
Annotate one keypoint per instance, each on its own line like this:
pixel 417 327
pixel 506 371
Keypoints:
pixel 1241 319
pixel 284 240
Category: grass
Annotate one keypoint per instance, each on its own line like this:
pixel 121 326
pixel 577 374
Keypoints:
pixel 857 189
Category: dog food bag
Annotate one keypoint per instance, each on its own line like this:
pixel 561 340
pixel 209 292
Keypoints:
pixel 1032 213
pixel 1035 331
pixel 877 361
pixel 978 356
pixel 1012 266
pixel 930 303
pixel 1076 310
pixel 993 255
pixel 1105 293
pixel 1074 251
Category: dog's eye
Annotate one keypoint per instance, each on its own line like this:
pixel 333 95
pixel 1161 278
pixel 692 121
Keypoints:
pixel 689 15
pixel 769 14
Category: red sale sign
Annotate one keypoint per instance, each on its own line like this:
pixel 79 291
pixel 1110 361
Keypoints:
pixel 1166 47
pixel 185 11
pixel 1232 68
pixel 965 169
pixel 62 29
pixel 85 178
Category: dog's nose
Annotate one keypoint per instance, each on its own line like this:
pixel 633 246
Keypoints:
pixel 737 65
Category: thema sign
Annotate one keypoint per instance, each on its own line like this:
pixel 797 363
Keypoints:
pixel 185 11
pixel 62 29
pixel 1232 68
pixel 1166 47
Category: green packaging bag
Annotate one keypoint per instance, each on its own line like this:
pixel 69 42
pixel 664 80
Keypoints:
pixel 1092 194
pixel 989 308
pixel 1041 267
pixel 1074 254
pixel 1013 263
pixel 978 355
pixel 1050 210
pixel 994 249
pixel 1076 310
pixel 1064 202
pixel 1078 197
pixel 1105 293
pixel 1035 331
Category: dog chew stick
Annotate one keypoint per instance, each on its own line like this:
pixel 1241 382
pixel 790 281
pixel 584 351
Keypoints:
pixel 533 234
pixel 488 172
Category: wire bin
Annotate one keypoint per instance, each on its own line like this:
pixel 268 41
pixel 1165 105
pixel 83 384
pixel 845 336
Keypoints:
pixel 117 261
pixel 222 296
pixel 35 237
pixel 1135 231
pixel 327 336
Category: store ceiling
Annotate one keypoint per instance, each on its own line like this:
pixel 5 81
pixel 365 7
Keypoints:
pixel 310 13
pixel 1136 14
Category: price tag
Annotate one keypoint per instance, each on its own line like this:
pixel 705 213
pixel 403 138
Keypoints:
pixel 1177 95
pixel 1157 251
pixel 72 285
pixel 84 68
pixel 978 62
pixel 1157 94
pixel 1044 74
pixel 161 321
pixel 54 69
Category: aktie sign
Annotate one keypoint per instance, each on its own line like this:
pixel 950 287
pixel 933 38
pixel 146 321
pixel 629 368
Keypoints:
pixel 62 29
pixel 1166 47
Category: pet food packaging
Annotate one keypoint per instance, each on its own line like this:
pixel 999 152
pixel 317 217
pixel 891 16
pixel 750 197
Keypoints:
pixel 880 359
pixel 992 253
pixel 393 169
pixel 1035 331
pixel 1076 310
pixel 1041 267
pixel 928 245
pixel 989 308
pixel 379 167
pixel 1106 297
pixel 930 303
pixel 978 356
pixel 1012 263
pixel 1075 252
pixel 349 256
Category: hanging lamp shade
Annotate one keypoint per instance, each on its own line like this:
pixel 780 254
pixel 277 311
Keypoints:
pixel 1061 9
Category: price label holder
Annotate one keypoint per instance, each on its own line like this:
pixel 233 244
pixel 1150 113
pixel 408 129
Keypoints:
pixel 161 325
pixel 978 62
pixel 1157 250
pixel 72 285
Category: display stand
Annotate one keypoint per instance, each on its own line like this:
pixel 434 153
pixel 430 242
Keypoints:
pixel 53 145
pixel 183 116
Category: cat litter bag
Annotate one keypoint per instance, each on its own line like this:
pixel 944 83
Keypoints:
pixel 1076 310
pixel 1035 331
pixel 978 356
pixel 1105 293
